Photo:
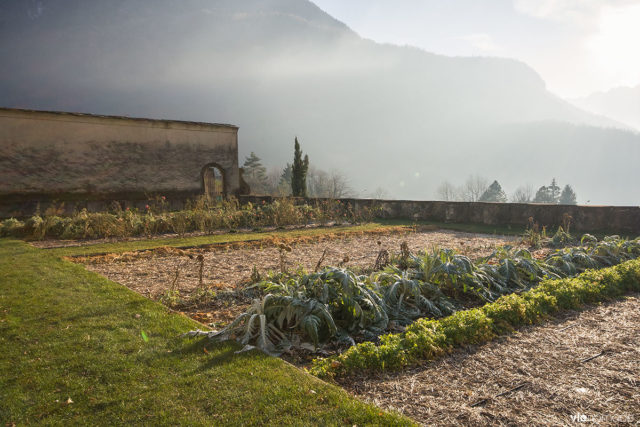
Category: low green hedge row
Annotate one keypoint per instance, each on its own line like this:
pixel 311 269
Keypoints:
pixel 428 339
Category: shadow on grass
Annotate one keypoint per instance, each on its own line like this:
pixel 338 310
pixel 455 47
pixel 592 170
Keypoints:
pixel 216 353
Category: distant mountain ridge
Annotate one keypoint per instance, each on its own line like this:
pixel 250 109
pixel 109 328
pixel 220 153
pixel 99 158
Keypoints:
pixel 128 31
pixel 389 116
pixel 621 104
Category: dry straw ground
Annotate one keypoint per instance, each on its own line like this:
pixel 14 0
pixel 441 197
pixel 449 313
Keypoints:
pixel 228 266
pixel 553 363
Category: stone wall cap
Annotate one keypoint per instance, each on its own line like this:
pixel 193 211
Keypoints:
pixel 100 116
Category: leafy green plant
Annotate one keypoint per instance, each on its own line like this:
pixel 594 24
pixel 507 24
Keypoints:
pixel 268 322
pixel 353 302
pixel 429 339
pixel 171 298
pixel 336 303
pixel 532 235
pixel 11 227
pixel 561 238
pixel 405 300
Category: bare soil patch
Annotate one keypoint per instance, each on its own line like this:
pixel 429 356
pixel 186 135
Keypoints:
pixel 554 364
pixel 228 267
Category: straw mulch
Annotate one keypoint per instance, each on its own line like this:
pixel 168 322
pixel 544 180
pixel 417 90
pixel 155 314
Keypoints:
pixel 548 372
pixel 227 267
pixel 233 264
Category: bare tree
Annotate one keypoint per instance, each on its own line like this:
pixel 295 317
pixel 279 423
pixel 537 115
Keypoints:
pixel 317 182
pixel 473 188
pixel 333 185
pixel 447 192
pixel 272 183
pixel 523 194
pixel 379 194
pixel 340 186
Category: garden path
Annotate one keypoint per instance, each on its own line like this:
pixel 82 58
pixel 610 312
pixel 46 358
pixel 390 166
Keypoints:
pixel 563 382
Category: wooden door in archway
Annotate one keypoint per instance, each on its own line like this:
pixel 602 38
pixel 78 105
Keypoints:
pixel 213 178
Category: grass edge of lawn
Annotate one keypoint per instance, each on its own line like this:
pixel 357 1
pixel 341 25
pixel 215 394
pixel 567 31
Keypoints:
pixel 223 238
pixel 120 359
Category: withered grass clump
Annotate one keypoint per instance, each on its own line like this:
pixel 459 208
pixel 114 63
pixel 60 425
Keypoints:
pixel 200 216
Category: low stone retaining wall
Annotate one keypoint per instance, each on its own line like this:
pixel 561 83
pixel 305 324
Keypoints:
pixel 618 219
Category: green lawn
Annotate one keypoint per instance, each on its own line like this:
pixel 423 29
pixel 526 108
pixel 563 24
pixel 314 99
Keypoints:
pixel 66 333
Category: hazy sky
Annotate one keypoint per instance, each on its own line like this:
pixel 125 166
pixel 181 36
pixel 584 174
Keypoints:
pixel 577 46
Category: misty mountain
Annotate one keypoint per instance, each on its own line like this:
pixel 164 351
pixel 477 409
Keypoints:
pixel 621 104
pixel 387 116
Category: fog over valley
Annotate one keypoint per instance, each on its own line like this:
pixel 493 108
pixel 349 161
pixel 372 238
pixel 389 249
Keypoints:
pixel 389 117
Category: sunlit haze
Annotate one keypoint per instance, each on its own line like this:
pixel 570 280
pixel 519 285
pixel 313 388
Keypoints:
pixel 578 46
pixel 395 98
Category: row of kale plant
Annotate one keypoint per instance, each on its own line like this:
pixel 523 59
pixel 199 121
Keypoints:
pixel 337 306
pixel 200 216
pixel 428 339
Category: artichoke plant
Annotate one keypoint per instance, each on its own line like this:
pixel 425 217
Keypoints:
pixel 335 304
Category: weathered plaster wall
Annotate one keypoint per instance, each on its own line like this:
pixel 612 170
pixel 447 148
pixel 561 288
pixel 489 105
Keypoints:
pixel 26 205
pixel 63 154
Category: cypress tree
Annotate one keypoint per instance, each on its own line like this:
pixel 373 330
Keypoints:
pixel 299 172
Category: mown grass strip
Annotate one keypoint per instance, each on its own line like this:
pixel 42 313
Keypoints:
pixel 501 230
pixel 213 239
pixel 77 349
pixel 428 339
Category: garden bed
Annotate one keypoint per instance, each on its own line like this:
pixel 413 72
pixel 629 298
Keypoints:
pixel 227 267
pixel 552 363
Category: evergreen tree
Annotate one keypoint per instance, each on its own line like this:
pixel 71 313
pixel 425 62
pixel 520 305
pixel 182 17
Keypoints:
pixel 554 191
pixel 284 186
pixel 285 177
pixel 568 196
pixel 543 195
pixel 299 172
pixel 255 174
pixel 493 194
pixel 550 194
pixel 253 167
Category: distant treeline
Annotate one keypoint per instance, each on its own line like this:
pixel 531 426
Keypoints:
pixel 335 184
pixel 477 189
